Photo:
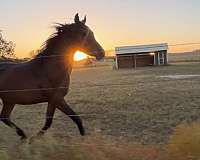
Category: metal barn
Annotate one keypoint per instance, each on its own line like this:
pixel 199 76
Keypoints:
pixel 141 55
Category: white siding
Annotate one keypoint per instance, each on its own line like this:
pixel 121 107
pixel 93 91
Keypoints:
pixel 141 48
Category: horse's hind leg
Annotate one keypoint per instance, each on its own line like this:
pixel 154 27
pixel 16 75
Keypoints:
pixel 49 118
pixel 65 108
pixel 5 117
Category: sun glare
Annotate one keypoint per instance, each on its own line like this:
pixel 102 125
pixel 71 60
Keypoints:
pixel 152 54
pixel 78 56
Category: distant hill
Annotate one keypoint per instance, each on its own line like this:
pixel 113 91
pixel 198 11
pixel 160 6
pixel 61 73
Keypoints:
pixel 193 56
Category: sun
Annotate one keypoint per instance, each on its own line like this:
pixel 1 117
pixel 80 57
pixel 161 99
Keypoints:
pixel 78 56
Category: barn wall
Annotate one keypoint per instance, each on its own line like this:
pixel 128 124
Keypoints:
pixel 125 61
pixel 145 60
pixel 129 61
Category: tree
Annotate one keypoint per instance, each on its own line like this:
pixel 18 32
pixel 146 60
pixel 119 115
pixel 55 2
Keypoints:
pixel 7 48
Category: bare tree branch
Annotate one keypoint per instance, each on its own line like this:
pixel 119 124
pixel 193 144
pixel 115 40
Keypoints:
pixel 7 48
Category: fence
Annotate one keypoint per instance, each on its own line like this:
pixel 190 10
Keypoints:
pixel 95 115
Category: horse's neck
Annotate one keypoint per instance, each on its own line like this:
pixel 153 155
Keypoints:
pixel 58 56
pixel 59 61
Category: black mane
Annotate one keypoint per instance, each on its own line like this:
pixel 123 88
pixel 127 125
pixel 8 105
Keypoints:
pixel 36 82
pixel 62 32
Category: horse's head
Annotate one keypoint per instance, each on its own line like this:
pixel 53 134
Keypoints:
pixel 82 38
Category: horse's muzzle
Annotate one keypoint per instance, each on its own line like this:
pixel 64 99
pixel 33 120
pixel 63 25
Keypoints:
pixel 100 55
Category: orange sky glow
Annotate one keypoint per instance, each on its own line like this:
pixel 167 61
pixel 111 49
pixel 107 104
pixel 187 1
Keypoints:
pixel 130 22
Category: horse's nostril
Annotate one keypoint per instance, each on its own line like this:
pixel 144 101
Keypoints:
pixel 99 57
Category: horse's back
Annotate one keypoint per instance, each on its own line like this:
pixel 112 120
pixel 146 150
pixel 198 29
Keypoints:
pixel 6 65
pixel 30 82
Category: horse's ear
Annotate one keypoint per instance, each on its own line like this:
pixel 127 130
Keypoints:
pixel 84 20
pixel 76 18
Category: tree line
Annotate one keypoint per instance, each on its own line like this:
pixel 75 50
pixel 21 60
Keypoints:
pixel 7 48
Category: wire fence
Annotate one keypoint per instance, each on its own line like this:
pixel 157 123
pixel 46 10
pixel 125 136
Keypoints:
pixel 124 113
pixel 164 79
pixel 113 50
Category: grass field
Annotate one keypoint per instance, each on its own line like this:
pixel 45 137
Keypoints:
pixel 185 57
pixel 125 106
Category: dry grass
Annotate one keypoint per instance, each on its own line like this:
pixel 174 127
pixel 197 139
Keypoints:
pixel 183 145
pixel 185 142
pixel 90 148
pixel 132 106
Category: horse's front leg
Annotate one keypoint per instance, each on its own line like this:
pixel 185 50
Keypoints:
pixel 49 118
pixel 65 108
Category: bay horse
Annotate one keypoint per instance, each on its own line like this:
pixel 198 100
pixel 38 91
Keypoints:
pixel 46 78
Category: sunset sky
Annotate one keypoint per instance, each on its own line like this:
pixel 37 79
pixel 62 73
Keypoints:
pixel 114 22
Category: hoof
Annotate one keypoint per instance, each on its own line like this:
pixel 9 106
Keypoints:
pixel 82 132
pixel 38 136
pixel 32 139
pixel 41 133
pixel 23 139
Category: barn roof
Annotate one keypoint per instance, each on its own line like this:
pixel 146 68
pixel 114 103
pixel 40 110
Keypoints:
pixel 141 48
